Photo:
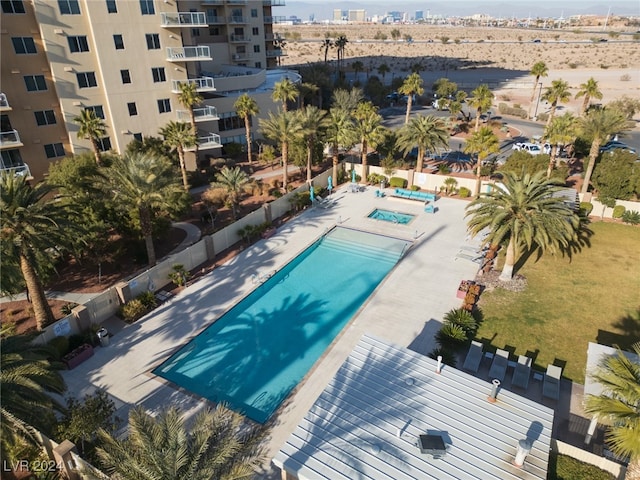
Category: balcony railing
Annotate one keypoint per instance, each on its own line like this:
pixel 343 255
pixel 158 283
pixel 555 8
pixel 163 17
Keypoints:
pixel 214 20
pixel 275 19
pixel 212 140
pixel 21 170
pixel 184 19
pixel 276 53
pixel 188 54
pixel 237 19
pixel 212 2
pixel 274 3
pixel 239 38
pixel 10 139
pixel 240 57
pixel 205 114
pixel 4 102
pixel 203 84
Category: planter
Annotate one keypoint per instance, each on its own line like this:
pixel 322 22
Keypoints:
pixel 77 356
pixel 464 287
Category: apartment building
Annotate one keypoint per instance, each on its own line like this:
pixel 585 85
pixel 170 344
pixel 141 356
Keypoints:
pixel 125 60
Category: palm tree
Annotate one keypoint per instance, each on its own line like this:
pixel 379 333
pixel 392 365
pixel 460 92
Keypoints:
pixel 247 107
pixel 368 129
pixel 327 43
pixel 427 133
pixel 145 184
pixel 588 90
pixel 34 224
pixel 285 91
pixel 282 128
pixel 538 70
pixel 598 125
pixel 383 69
pixel 92 128
pixel 347 99
pixel 357 68
pixel 340 43
pixel 313 122
pixel 308 91
pixel 619 405
pixel 481 99
pixel 557 92
pixel 189 98
pixel 215 445
pixel 233 181
pixel 26 379
pixel 412 85
pixel 562 131
pixel 340 133
pixel 524 213
pixel 179 136
pixel 482 143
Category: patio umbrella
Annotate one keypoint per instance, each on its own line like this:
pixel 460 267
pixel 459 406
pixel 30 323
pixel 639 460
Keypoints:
pixel 329 183
pixel 353 176
pixel 311 193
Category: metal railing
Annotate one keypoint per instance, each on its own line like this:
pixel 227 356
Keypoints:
pixel 183 19
pixel 274 3
pixel 210 141
pixel 204 114
pixel 203 84
pixel 233 38
pixel 276 53
pixel 4 102
pixel 10 138
pixel 185 54
pixel 237 19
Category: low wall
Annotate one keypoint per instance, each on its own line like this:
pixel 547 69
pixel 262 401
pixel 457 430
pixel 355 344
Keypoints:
pixel 601 210
pixel 602 463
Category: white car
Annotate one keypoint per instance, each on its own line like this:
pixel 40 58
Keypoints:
pixel 532 148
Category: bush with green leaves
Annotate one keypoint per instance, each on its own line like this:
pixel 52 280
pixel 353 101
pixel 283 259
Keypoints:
pixel 618 211
pixel 586 208
pixel 397 182
pixel 452 336
pixel 463 319
pixel 376 178
pixel 505 109
pixel 464 192
pixel 631 216
pixel 414 188
pixel 60 345
pixel 138 307
pixel 179 275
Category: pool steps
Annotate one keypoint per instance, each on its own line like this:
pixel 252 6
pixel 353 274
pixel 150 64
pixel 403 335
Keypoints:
pixel 365 251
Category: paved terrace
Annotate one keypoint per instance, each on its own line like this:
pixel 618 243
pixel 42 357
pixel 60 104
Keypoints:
pixel 406 309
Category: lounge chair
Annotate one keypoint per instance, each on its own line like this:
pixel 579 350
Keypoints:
pixel 473 358
pixel 429 208
pixel 522 372
pixel 551 382
pixel 499 365
pixel 474 258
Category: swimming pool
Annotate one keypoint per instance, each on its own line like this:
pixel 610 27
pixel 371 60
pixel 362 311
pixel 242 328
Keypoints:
pixel 393 217
pixel 258 351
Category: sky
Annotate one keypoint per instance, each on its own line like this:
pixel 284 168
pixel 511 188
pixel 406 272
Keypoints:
pixel 323 10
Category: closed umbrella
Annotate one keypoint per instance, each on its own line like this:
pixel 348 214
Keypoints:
pixel 353 176
pixel 329 184
pixel 311 193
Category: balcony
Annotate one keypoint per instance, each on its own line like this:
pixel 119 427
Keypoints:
pixel 4 103
pixel 212 2
pixel 18 170
pixel 214 20
pixel 188 54
pixel 203 84
pixel 273 3
pixel 205 114
pixel 240 57
pixel 275 19
pixel 239 39
pixel 10 139
pixel 276 53
pixel 237 19
pixel 212 140
pixel 183 19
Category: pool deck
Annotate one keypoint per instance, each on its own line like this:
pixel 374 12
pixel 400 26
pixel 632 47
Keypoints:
pixel 406 309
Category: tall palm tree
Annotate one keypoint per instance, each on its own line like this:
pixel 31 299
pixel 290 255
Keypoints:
pixel 340 43
pixel 481 99
pixel 598 126
pixel 357 68
pixel 412 85
pixel 179 136
pixel 27 376
pixel 562 131
pixel 215 445
pixel 383 69
pixel 34 224
pixel 524 214
pixel 234 181
pixel 368 129
pixel 427 133
pixel 247 107
pixel 145 184
pixel 347 99
pixel 313 122
pixel 327 43
pixel 619 405
pixel 588 90
pixel 482 143
pixel 92 128
pixel 282 128
pixel 308 93
pixel 538 70
pixel 340 133
pixel 189 98
pixel 557 92
pixel 285 91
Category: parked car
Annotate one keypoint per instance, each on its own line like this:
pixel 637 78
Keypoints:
pixel 532 148
pixel 616 145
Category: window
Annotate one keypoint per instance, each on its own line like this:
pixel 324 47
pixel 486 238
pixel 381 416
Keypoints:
pixel 12 6
pixel 45 117
pixel 195 32
pixel 147 8
pixel 69 7
pixel 111 6
pixel 254 13
pixel 158 74
pixel 54 150
pixel 11 158
pixel 86 79
pixel 23 45
pixel 97 109
pixel 255 31
pixel 230 121
pixel 258 64
pixel 133 110
pixel 78 44
pixel 35 83
pixel 164 105
pixel 138 136
pixel 153 41
pixel 104 144
pixel 126 77
pixel 118 41
pixel 214 30
pixel 256 48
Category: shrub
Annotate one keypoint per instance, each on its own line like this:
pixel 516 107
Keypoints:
pixel 451 335
pixel 397 182
pixel 464 192
pixel 450 184
pixel 448 357
pixel 461 318
pixel 507 110
pixel 138 307
pixel 376 178
pixel 565 467
pixel 443 168
pixel 618 211
pixel 586 208
pixel 179 275
pixel 67 308
pixel 415 188
pixel 631 216
pixel 60 345
pixel 76 340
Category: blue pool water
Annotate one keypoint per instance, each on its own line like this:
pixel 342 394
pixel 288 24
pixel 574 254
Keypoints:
pixel 257 352
pixel 393 217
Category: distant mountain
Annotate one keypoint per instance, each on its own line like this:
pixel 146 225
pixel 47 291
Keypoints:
pixel 322 10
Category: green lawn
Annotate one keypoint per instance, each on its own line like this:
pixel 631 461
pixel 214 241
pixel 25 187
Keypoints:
pixel 594 297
